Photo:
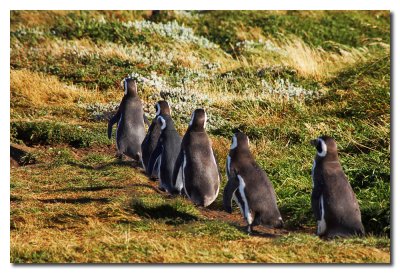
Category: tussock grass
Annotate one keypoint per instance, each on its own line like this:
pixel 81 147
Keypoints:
pixel 51 133
pixel 318 63
pixel 173 54
pixel 38 90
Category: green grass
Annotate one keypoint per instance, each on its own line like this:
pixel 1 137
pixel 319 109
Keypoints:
pixel 78 203
pixel 51 133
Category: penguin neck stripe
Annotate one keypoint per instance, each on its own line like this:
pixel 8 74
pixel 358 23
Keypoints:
pixel 228 166
pixel 164 124
pixel 125 87
pixel 191 119
pixel 324 148
pixel 234 142
pixel 158 109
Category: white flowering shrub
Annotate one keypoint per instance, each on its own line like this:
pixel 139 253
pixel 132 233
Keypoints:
pixel 100 111
pixel 285 88
pixel 190 14
pixel 182 100
pixel 21 31
pixel 172 30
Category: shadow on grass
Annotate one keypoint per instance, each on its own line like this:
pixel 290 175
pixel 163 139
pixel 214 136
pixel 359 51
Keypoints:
pixel 259 231
pixel 133 164
pixel 154 188
pixel 82 200
pixel 167 212
pixel 64 218
pixel 90 188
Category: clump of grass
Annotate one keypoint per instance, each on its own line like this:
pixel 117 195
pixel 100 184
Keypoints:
pixel 324 26
pixel 174 213
pixel 50 133
pixel 34 89
pixel 318 63
pixel 222 230
pixel 61 157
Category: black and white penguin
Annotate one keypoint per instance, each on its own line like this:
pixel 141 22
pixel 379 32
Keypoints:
pixel 333 201
pixel 196 170
pixel 130 122
pixel 250 187
pixel 153 134
pixel 163 158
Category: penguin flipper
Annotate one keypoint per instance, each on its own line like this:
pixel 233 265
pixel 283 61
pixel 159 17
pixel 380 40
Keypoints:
pixel 177 182
pixel 146 120
pixel 215 159
pixel 315 200
pixel 111 122
pixel 227 166
pixel 146 139
pixel 154 158
pixel 229 191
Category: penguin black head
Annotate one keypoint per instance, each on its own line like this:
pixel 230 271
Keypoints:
pixel 325 145
pixel 130 87
pixel 198 120
pixel 162 108
pixel 239 139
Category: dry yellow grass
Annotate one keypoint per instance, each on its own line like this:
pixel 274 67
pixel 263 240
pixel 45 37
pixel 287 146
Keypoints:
pixel 35 18
pixel 176 53
pixel 308 61
pixel 37 90
pixel 249 33
pixel 316 62
pixel 43 18
pixel 150 247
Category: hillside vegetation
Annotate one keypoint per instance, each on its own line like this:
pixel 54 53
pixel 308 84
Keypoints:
pixel 282 77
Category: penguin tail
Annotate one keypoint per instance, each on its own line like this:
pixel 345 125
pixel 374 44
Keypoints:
pixel 360 231
pixel 208 201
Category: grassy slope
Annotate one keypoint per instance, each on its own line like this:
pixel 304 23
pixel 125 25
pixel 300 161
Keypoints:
pixel 79 204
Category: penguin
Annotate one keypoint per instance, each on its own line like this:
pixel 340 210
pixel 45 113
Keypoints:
pixel 130 121
pixel 250 187
pixel 333 201
pixel 196 171
pixel 153 134
pixel 164 156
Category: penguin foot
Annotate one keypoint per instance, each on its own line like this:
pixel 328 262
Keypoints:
pixel 249 230
pixel 153 178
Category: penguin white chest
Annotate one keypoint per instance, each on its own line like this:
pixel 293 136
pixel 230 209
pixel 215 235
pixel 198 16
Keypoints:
pixel 228 166
pixel 246 209
pixel 322 222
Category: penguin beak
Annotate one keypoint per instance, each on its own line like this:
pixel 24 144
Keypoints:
pixel 314 142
